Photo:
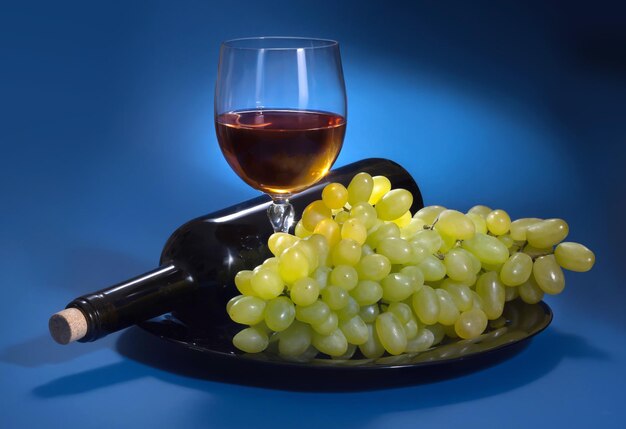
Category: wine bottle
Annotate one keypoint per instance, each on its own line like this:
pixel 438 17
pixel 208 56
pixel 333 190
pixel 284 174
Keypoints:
pixel 198 264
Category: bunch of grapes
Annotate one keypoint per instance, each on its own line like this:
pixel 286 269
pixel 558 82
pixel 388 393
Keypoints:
pixel 362 272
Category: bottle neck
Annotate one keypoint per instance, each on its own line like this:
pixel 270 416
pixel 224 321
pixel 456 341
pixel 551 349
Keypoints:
pixel 132 301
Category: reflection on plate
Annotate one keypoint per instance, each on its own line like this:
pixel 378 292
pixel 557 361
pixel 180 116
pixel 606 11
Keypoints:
pixel 520 322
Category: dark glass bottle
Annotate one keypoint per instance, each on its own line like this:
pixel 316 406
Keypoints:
pixel 199 261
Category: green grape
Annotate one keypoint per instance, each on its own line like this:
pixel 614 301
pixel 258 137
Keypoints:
pixel 335 195
pixel 548 275
pixel 251 340
pixel 321 276
pixel 300 231
pixel 266 284
pixel 477 301
pixel 365 213
pixel 480 225
pixel 394 204
pixel 428 239
pixel 382 185
pixel 341 217
pixel 294 340
pixel 506 240
pixel 344 276
pixel 373 267
pixel 366 250
pixel 476 266
pixel 360 188
pixel 334 344
pixel 367 292
pixel 279 313
pixel 459 266
pixel 314 213
pixel 310 252
pixel 471 324
pixel 335 296
pixel 397 250
pixel 488 249
pixel 492 267
pixel 403 220
pixel 264 328
pixel 438 332
pixel 421 342
pixel 414 226
pixel 247 310
pixel 346 252
pixel 354 229
pixel 305 291
pixel 396 287
pixel 242 282
pixel 321 247
pixel 455 224
pixel 426 305
pixel 415 275
pixel 530 292
pixel 402 311
pixel 448 311
pixel 350 310
pixel 369 313
pixel 328 325
pixel 510 293
pixel 293 265
pixel 330 230
pixel 372 348
pixel 314 313
pixel 411 328
pixel 519 227
pixel 447 242
pixel 232 301
pixel 516 269
pixel 491 290
pixel 480 210
pixel 355 331
pixel 571 256
pixel 271 264
pixel 391 333
pixel 535 252
pixel 547 233
pixel 383 231
pixel 348 354
pixel 428 214
pixel 432 268
pixel 279 241
pixel 498 222
pixel 461 294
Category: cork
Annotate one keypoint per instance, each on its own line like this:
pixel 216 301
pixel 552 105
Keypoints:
pixel 68 325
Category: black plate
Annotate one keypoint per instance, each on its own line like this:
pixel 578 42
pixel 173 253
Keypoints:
pixel 521 322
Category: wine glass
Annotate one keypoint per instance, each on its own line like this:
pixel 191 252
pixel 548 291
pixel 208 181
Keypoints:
pixel 280 115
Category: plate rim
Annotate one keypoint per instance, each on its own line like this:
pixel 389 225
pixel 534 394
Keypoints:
pixel 239 358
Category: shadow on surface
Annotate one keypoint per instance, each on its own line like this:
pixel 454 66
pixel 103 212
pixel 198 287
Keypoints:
pixel 149 356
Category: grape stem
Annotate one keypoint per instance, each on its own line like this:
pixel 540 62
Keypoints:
pixel 432 226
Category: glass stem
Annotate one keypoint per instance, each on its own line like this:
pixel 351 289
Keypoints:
pixel 281 214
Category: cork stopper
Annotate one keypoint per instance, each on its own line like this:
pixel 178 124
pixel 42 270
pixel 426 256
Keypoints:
pixel 68 325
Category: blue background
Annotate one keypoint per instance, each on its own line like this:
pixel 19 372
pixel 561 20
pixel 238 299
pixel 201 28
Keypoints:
pixel 108 145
